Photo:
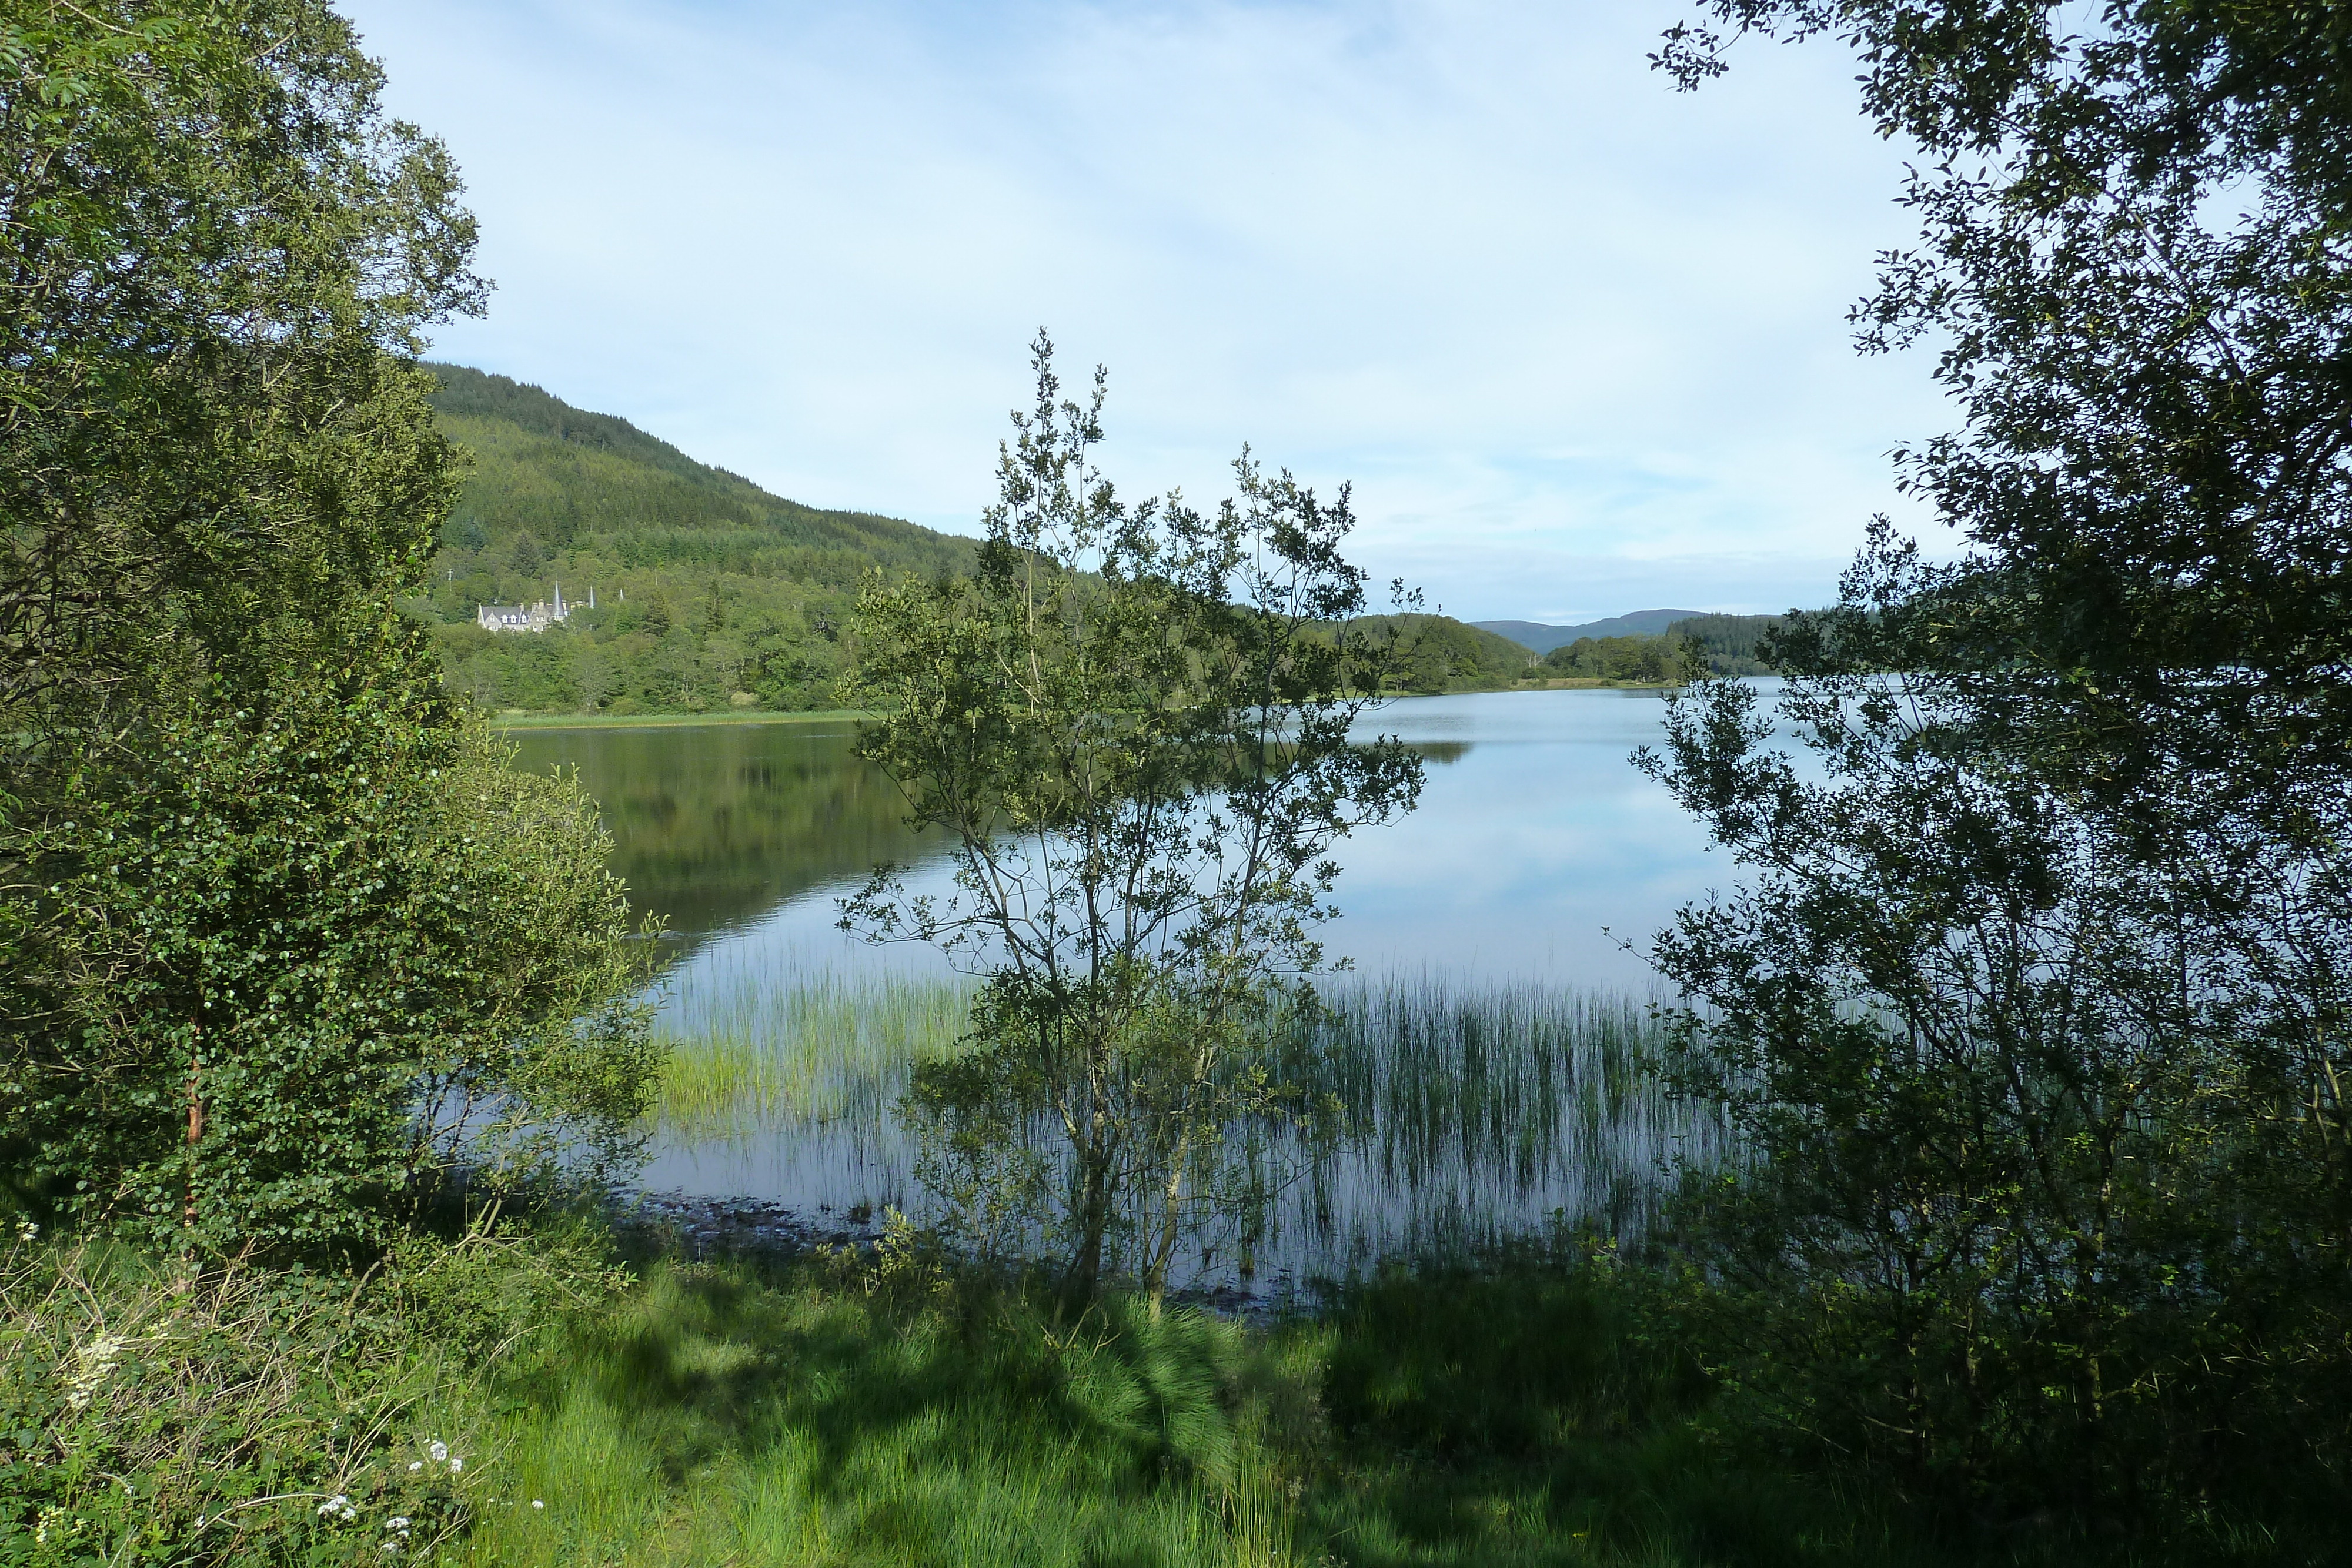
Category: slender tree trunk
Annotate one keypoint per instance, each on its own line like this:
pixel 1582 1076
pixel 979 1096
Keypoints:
pixel 1172 1198
pixel 1094 1182
pixel 195 1123
pixel 1094 1219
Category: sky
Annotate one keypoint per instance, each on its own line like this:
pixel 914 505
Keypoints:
pixel 1578 341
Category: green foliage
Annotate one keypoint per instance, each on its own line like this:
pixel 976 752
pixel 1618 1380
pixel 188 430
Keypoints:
pixel 1438 653
pixel 1728 643
pixel 2131 240
pixel 305 956
pixel 707 586
pixel 242 1417
pixel 2024 1218
pixel 2034 1016
pixel 267 913
pixel 1640 661
pixel 216 240
pixel 1134 723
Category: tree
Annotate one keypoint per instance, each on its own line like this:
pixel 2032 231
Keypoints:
pixel 1657 661
pixel 2033 1017
pixel 1135 723
pixel 2133 252
pixel 217 249
pixel 260 896
pixel 2023 1222
pixel 303 964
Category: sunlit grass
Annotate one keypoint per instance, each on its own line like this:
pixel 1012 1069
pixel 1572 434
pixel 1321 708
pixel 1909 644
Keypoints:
pixel 725 1414
pixel 829 1412
pixel 749 1052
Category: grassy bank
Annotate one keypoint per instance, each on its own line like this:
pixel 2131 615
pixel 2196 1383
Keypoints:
pixel 843 1413
pixel 516 1402
pixel 835 1412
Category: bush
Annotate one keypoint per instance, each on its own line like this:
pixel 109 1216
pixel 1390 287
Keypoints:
pixel 304 958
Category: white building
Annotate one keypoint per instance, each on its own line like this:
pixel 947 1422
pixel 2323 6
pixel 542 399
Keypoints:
pixel 538 616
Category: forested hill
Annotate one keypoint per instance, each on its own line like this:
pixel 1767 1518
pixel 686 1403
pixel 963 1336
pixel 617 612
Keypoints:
pixel 1543 639
pixel 710 592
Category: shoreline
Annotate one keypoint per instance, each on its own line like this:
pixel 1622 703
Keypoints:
pixel 664 720
pixel 835 715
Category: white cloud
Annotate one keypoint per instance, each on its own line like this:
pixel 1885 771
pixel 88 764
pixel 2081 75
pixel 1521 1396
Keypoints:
pixel 1578 339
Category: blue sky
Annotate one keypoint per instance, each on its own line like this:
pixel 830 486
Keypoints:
pixel 1578 339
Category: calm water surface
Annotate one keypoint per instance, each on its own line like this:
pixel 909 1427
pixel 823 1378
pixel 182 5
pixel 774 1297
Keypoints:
pixel 1539 860
pixel 1535 841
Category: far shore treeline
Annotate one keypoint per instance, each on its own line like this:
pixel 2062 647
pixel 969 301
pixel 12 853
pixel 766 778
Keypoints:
pixel 713 596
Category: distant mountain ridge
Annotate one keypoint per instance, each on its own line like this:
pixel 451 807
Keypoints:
pixel 1542 639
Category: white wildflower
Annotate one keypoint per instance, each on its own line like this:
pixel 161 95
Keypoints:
pixel 27 1231
pixel 536 1503
pixel 92 1362
pixel 439 1450
pixel 339 1507
pixel 456 1465
pixel 398 1522
pixel 415 1466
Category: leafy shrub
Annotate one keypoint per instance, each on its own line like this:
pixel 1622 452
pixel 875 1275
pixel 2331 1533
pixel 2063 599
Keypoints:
pixel 305 957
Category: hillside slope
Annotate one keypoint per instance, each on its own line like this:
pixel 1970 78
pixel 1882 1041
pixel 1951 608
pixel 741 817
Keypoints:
pixel 710 592
pixel 1543 639
pixel 1449 655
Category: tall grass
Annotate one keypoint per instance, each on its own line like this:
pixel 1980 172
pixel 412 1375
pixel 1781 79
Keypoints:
pixel 826 1412
pixel 1470 1111
pixel 1451 1114
pixel 832 1415
pixel 752 1052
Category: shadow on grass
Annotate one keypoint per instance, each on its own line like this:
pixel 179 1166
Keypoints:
pixel 834 1412
pixel 1524 1417
pixel 817 1412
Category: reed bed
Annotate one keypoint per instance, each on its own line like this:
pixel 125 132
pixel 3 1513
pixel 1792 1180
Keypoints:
pixel 1442 1114
pixel 751 1052
pixel 1442 1117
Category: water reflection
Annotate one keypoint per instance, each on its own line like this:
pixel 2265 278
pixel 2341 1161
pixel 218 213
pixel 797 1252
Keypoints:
pixel 1539 862
pixel 1431 1115
pixel 1537 851
pixel 716 825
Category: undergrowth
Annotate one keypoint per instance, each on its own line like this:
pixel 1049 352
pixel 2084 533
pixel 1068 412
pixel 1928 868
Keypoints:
pixel 519 1398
